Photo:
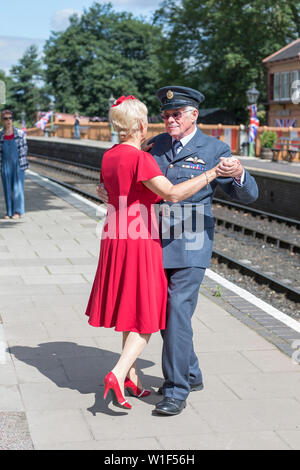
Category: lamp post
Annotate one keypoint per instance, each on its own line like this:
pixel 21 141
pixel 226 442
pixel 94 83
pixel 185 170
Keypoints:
pixel 252 97
pixel 23 116
pixel 38 111
pixel 114 134
pixel 51 106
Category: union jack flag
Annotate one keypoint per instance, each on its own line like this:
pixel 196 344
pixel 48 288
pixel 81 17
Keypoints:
pixel 285 122
pixel 44 120
pixel 24 127
pixel 254 122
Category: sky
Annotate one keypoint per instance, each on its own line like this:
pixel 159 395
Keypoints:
pixel 30 22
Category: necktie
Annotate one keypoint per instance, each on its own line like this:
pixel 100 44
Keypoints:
pixel 177 146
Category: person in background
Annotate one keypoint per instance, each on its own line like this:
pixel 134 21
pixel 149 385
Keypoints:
pixel 76 126
pixel 13 162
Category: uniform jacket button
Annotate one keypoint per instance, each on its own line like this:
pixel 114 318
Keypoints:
pixel 171 165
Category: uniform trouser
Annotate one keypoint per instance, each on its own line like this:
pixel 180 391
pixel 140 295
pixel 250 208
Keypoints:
pixel 13 186
pixel 179 362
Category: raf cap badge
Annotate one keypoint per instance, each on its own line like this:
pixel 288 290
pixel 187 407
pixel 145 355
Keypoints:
pixel 170 94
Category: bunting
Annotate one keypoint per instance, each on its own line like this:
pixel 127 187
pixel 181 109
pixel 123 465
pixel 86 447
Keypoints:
pixel 24 126
pixel 254 123
pixel 44 120
pixel 285 122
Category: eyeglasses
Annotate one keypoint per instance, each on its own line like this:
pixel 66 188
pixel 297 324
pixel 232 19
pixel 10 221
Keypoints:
pixel 176 115
pixel 7 119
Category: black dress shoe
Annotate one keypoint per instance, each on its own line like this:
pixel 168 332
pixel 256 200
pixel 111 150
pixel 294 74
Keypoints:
pixel 194 388
pixel 170 406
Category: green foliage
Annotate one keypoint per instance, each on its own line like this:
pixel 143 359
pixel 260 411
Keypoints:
pixel 6 79
pixel 218 291
pixel 102 53
pixel 217 46
pixel 25 85
pixel 268 138
pixel 262 116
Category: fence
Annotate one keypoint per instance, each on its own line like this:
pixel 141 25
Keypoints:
pixel 229 134
pixel 102 131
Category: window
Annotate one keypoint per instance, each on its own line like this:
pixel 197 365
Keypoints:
pixel 282 85
pixel 276 94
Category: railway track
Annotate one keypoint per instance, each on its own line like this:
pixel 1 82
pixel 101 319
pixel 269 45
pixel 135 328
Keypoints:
pixel 92 176
pixel 259 213
pixel 280 241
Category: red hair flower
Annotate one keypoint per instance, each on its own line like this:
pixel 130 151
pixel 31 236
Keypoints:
pixel 123 98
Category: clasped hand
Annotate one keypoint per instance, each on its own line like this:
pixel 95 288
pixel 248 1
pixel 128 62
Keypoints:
pixel 229 167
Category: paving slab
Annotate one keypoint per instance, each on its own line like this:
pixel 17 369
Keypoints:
pixel 54 368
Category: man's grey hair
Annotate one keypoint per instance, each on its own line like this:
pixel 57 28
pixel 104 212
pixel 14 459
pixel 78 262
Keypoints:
pixel 190 108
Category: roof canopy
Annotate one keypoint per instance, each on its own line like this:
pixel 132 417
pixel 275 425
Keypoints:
pixel 290 51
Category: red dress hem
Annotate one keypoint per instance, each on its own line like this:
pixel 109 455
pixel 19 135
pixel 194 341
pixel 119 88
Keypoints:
pixel 130 287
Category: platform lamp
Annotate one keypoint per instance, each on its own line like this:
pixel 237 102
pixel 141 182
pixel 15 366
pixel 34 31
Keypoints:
pixel 114 134
pixel 38 111
pixel 23 116
pixel 51 106
pixel 252 97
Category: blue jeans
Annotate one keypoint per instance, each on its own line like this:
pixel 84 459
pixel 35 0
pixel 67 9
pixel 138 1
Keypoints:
pixel 12 179
pixel 76 132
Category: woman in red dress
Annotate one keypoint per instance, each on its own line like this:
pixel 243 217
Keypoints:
pixel 130 287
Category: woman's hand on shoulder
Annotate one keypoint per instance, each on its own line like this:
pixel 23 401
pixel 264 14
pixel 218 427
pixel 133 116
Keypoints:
pixel 147 145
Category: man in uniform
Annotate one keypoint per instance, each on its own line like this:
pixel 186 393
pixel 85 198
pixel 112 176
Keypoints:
pixel 182 153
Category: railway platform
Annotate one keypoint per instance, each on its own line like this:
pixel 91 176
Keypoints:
pixel 52 363
pixel 279 168
pixel 282 167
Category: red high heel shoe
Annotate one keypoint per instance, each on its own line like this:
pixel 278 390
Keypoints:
pixel 111 384
pixel 135 390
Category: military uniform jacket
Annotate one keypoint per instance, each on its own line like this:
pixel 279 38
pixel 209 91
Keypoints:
pixel 187 228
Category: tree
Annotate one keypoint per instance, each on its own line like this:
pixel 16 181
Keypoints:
pixel 102 53
pixel 26 85
pixel 7 89
pixel 217 46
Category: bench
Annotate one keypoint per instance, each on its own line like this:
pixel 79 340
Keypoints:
pixel 279 154
pixel 294 150
pixel 289 150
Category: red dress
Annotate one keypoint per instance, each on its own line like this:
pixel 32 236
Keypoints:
pixel 130 286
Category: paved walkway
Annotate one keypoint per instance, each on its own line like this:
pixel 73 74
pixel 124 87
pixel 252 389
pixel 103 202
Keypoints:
pixel 51 381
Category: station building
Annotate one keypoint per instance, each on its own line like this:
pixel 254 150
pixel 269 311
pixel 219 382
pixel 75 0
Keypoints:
pixel 283 70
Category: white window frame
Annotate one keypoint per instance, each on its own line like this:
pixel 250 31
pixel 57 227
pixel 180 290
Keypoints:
pixel 285 86
pixel 276 86
pixel 282 85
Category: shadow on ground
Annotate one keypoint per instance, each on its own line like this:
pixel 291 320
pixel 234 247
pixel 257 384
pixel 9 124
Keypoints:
pixel 37 199
pixel 82 368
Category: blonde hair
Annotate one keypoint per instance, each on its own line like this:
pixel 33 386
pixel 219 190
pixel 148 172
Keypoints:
pixel 126 118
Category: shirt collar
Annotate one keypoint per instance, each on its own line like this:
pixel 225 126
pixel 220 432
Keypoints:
pixel 187 138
